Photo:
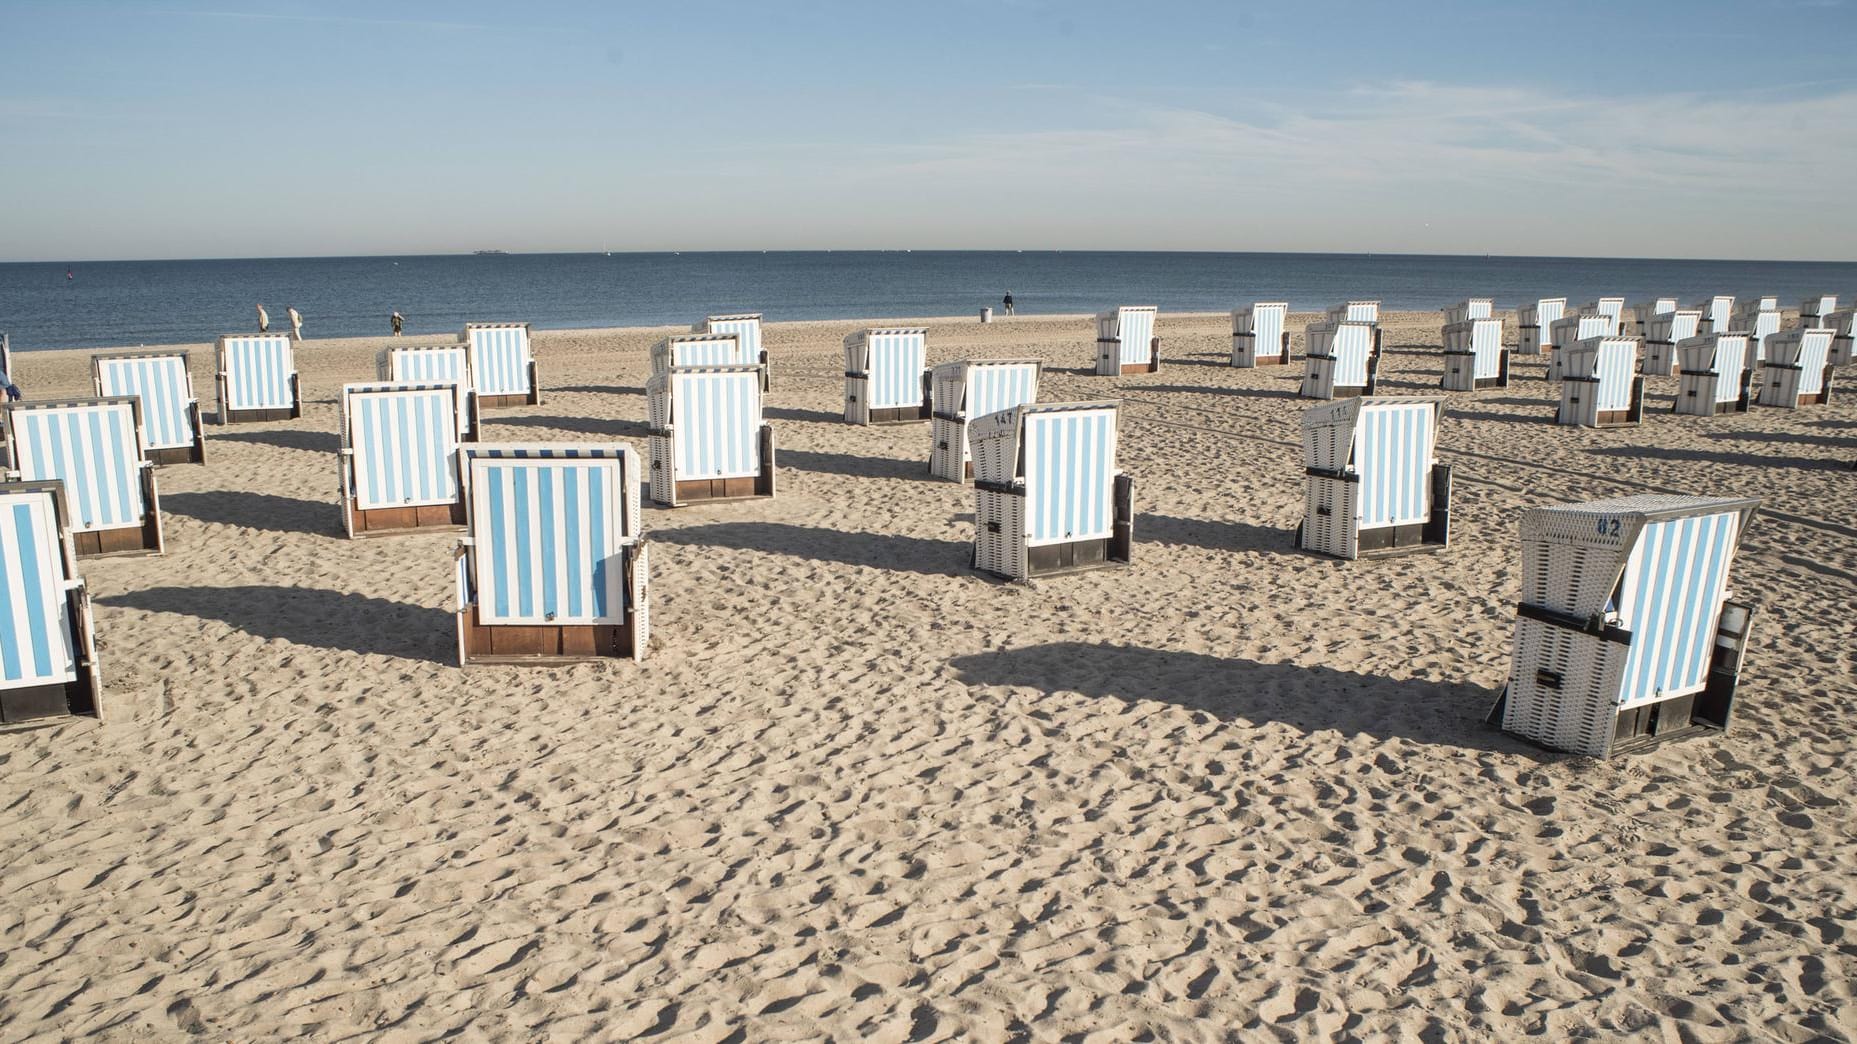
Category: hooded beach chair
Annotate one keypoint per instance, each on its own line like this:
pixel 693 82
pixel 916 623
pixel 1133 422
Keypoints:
pixel 502 365
pixel 1626 634
pixel 257 378
pixel 399 458
pixel 1568 332
pixel 1339 360
pixel 1643 314
pixel 965 390
pixel 1612 308
pixel 1815 311
pixel 887 376
pixel 1715 376
pixel 436 364
pixel 48 656
pixel 708 439
pixel 1843 324
pixel 1355 312
pixel 1048 496
pixel 1464 311
pixel 1373 484
pixel 1760 327
pixel 1534 322
pixel 1474 357
pixel 1798 369
pixel 1125 341
pixel 170 412
pixel 1601 387
pixel 1260 334
pixel 1717 313
pixel 746 326
pixel 94 447
pixel 1662 334
pixel 553 565
pixel 696 349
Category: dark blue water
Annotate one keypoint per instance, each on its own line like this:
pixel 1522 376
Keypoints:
pixel 112 303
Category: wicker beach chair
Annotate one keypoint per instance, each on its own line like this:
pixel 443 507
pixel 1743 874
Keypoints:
pixel 1474 357
pixel 170 412
pixel 1125 341
pixel 1816 311
pixel 502 365
pixel 1714 377
pixel 1662 334
pixel 1612 308
pixel 1760 327
pixel 436 364
pixel 1717 313
pixel 1626 634
pixel 1642 314
pixel 553 566
pixel 1601 387
pixel 971 388
pixel 1372 484
pixel 696 349
pixel 399 458
pixel 1843 324
pixel 1048 495
pixel 1534 322
pixel 1466 310
pixel 94 447
pixel 1260 334
pixel 1355 312
pixel 1568 332
pixel 887 376
pixel 746 326
pixel 257 378
pixel 708 440
pixel 1797 371
pixel 48 655
pixel 1340 359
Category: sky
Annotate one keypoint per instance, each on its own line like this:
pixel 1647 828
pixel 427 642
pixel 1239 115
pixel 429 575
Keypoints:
pixel 1649 128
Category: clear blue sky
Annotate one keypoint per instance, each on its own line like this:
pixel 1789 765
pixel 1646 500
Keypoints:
pixel 278 128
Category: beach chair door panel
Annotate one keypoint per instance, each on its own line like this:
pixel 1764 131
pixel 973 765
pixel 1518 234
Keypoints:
pixel 167 400
pixel 1069 476
pixel 991 389
pixel 258 373
pixel 436 366
pixel 1614 366
pixel 36 630
pixel 94 451
pixel 896 363
pixel 405 446
pixel 1136 329
pixel 1671 598
pixel 548 547
pixel 1392 454
pixel 718 420
pixel 500 360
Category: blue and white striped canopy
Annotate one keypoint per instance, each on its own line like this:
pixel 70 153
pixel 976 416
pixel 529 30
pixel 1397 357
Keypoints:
pixel 36 646
pixel 1069 474
pixel 404 441
pixel 94 449
pixel 1393 444
pixel 747 331
pixel 162 384
pixel 992 387
pixel 499 357
pixel 1674 584
pixel 258 369
pixel 548 540
pixel 895 362
pixel 716 414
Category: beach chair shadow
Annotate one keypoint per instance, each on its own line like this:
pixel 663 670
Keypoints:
pixel 612 429
pixel 286 438
pixel 1308 698
pixel 1827 441
pixel 1751 460
pixel 1214 535
pixel 887 551
pixel 789 413
pixel 854 466
pixel 265 511
pixel 599 389
pixel 310 616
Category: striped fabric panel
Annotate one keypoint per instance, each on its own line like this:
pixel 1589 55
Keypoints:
pixel 1392 453
pixel 897 358
pixel 35 624
pixel 1486 347
pixel 724 352
pixel 717 417
pixel 1267 322
pixel 438 365
pixel 93 450
pixel 1615 364
pixel 500 359
pixel 747 331
pixel 1352 345
pixel 1730 362
pixel 258 372
pixel 1718 310
pixel 404 443
pixel 1814 349
pixel 1674 584
pixel 1766 324
pixel 1069 475
pixel 1135 327
pixel 548 541
pixel 1549 310
pixel 167 399
pixel 992 388
pixel 1674 326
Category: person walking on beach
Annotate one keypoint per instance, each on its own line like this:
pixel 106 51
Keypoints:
pixel 264 320
pixel 1008 302
pixel 398 321
pixel 296 323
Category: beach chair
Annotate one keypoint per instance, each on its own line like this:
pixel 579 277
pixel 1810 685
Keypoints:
pixel 1048 496
pixel 696 349
pixel 1843 324
pixel 1260 335
pixel 93 446
pixel 1798 369
pixel 1355 312
pixel 1714 377
pixel 1568 332
pixel 399 458
pixel 6 367
pixel 170 412
pixel 1760 327
pixel 553 566
pixel 1601 387
pixel 1766 303
pixel 1340 360
pixel 1717 313
pixel 1463 311
pixel 1649 310
pixel 1474 357
pixel 1612 308
pixel 436 364
pixel 1626 633
pixel 1662 334
pixel 708 439
pixel 1815 311
pixel 1373 485
pixel 887 376
pixel 746 326
pixel 971 388
pixel 48 654
pixel 1534 323
pixel 502 365
pixel 1125 341
pixel 257 379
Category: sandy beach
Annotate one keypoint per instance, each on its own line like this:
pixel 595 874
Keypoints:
pixel 859 790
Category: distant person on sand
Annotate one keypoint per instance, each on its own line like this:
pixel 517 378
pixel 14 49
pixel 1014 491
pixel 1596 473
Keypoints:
pixel 13 394
pixel 1008 302
pixel 398 321
pixel 264 320
pixel 296 323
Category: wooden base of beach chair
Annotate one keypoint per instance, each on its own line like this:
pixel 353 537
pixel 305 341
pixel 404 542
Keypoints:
pixel 900 415
pixel 508 643
pixel 1081 555
pixel 389 521
pixel 532 397
pixel 127 540
pixel 255 416
pixel 717 489
pixel 81 696
pixel 194 454
pixel 767 373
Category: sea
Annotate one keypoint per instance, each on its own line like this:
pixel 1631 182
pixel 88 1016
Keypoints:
pixel 96 304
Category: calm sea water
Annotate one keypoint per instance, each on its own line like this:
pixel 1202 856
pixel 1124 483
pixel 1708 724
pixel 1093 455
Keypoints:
pixel 115 303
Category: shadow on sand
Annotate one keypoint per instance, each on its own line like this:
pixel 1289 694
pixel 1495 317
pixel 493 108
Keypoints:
pixel 876 550
pixel 258 511
pixel 310 616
